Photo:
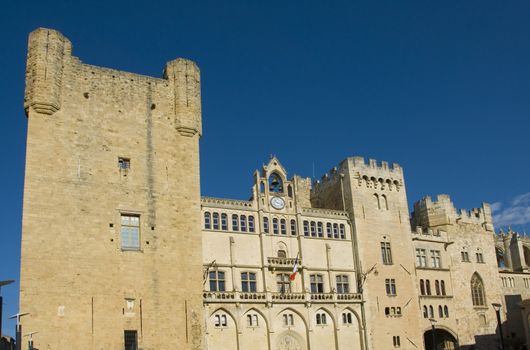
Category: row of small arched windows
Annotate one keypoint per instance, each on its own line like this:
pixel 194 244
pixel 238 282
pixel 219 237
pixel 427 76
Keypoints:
pixel 214 221
pixel 252 320
pixel 425 287
pixel 316 229
pixel 428 312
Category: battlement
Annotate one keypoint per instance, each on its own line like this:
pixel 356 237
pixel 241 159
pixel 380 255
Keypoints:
pixel 371 170
pixel 51 67
pixel 359 163
pixel 428 213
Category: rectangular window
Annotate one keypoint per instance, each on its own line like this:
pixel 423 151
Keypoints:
pixel 316 283
pixel 217 281
pixel 480 258
pixel 248 282
pixel 386 253
pixel 421 258
pixel 390 285
pixel 465 256
pixel 283 283
pixel 343 286
pixel 131 340
pixel 436 261
pixel 130 232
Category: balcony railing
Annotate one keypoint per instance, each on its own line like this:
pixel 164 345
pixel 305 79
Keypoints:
pixel 277 297
pixel 277 263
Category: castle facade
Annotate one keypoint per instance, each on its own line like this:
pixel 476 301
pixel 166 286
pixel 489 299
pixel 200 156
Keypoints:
pixel 120 251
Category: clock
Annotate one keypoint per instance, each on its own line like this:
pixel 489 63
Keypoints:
pixel 277 203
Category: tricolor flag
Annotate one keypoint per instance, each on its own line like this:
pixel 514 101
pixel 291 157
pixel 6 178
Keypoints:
pixel 292 276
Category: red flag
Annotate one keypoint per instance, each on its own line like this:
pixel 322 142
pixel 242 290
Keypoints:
pixel 292 276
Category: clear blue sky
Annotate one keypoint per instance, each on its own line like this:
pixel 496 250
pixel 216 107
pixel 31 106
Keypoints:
pixel 443 88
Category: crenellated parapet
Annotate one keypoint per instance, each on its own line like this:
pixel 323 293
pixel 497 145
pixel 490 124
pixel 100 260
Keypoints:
pixel 55 77
pixel 428 213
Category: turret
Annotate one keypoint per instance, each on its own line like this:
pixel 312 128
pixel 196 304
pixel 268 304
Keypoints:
pixel 184 78
pixel 47 52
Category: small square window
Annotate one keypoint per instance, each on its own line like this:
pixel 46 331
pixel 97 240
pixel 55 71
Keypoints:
pixel 124 163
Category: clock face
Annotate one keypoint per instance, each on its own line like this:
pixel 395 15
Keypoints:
pixel 277 202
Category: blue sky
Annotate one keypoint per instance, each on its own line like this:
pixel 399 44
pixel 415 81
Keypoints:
pixel 442 88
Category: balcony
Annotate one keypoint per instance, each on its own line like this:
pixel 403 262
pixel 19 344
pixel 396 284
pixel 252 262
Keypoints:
pixel 277 263
pixel 277 297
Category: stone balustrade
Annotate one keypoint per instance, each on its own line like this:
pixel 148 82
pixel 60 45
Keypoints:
pixel 277 297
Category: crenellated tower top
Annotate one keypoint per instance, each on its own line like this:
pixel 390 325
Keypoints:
pixel 428 213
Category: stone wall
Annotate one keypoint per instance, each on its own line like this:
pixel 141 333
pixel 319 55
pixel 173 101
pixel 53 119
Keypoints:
pixel 81 288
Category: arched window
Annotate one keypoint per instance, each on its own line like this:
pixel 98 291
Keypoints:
pixel 224 222
pixel 243 221
pixel 446 311
pixel 376 200
pixel 290 191
pixel 306 228
pixel 250 223
pixel 262 187
pixel 266 224
pixel 283 227
pixel 328 230
pixel 384 202
pixel 422 287
pixel 440 311
pixel 477 291
pixel 282 253
pixel 235 223
pixel 425 312
pixel 431 311
pixel 428 287
pixel 342 231
pixel 207 221
pixel 275 226
pixel 293 227
pixel 437 287
pixel 275 183
pixel 313 229
pixel 335 231
pixel 442 287
pixel 216 221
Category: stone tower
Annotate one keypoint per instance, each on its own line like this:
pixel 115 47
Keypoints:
pixel 111 236
pixel 374 195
